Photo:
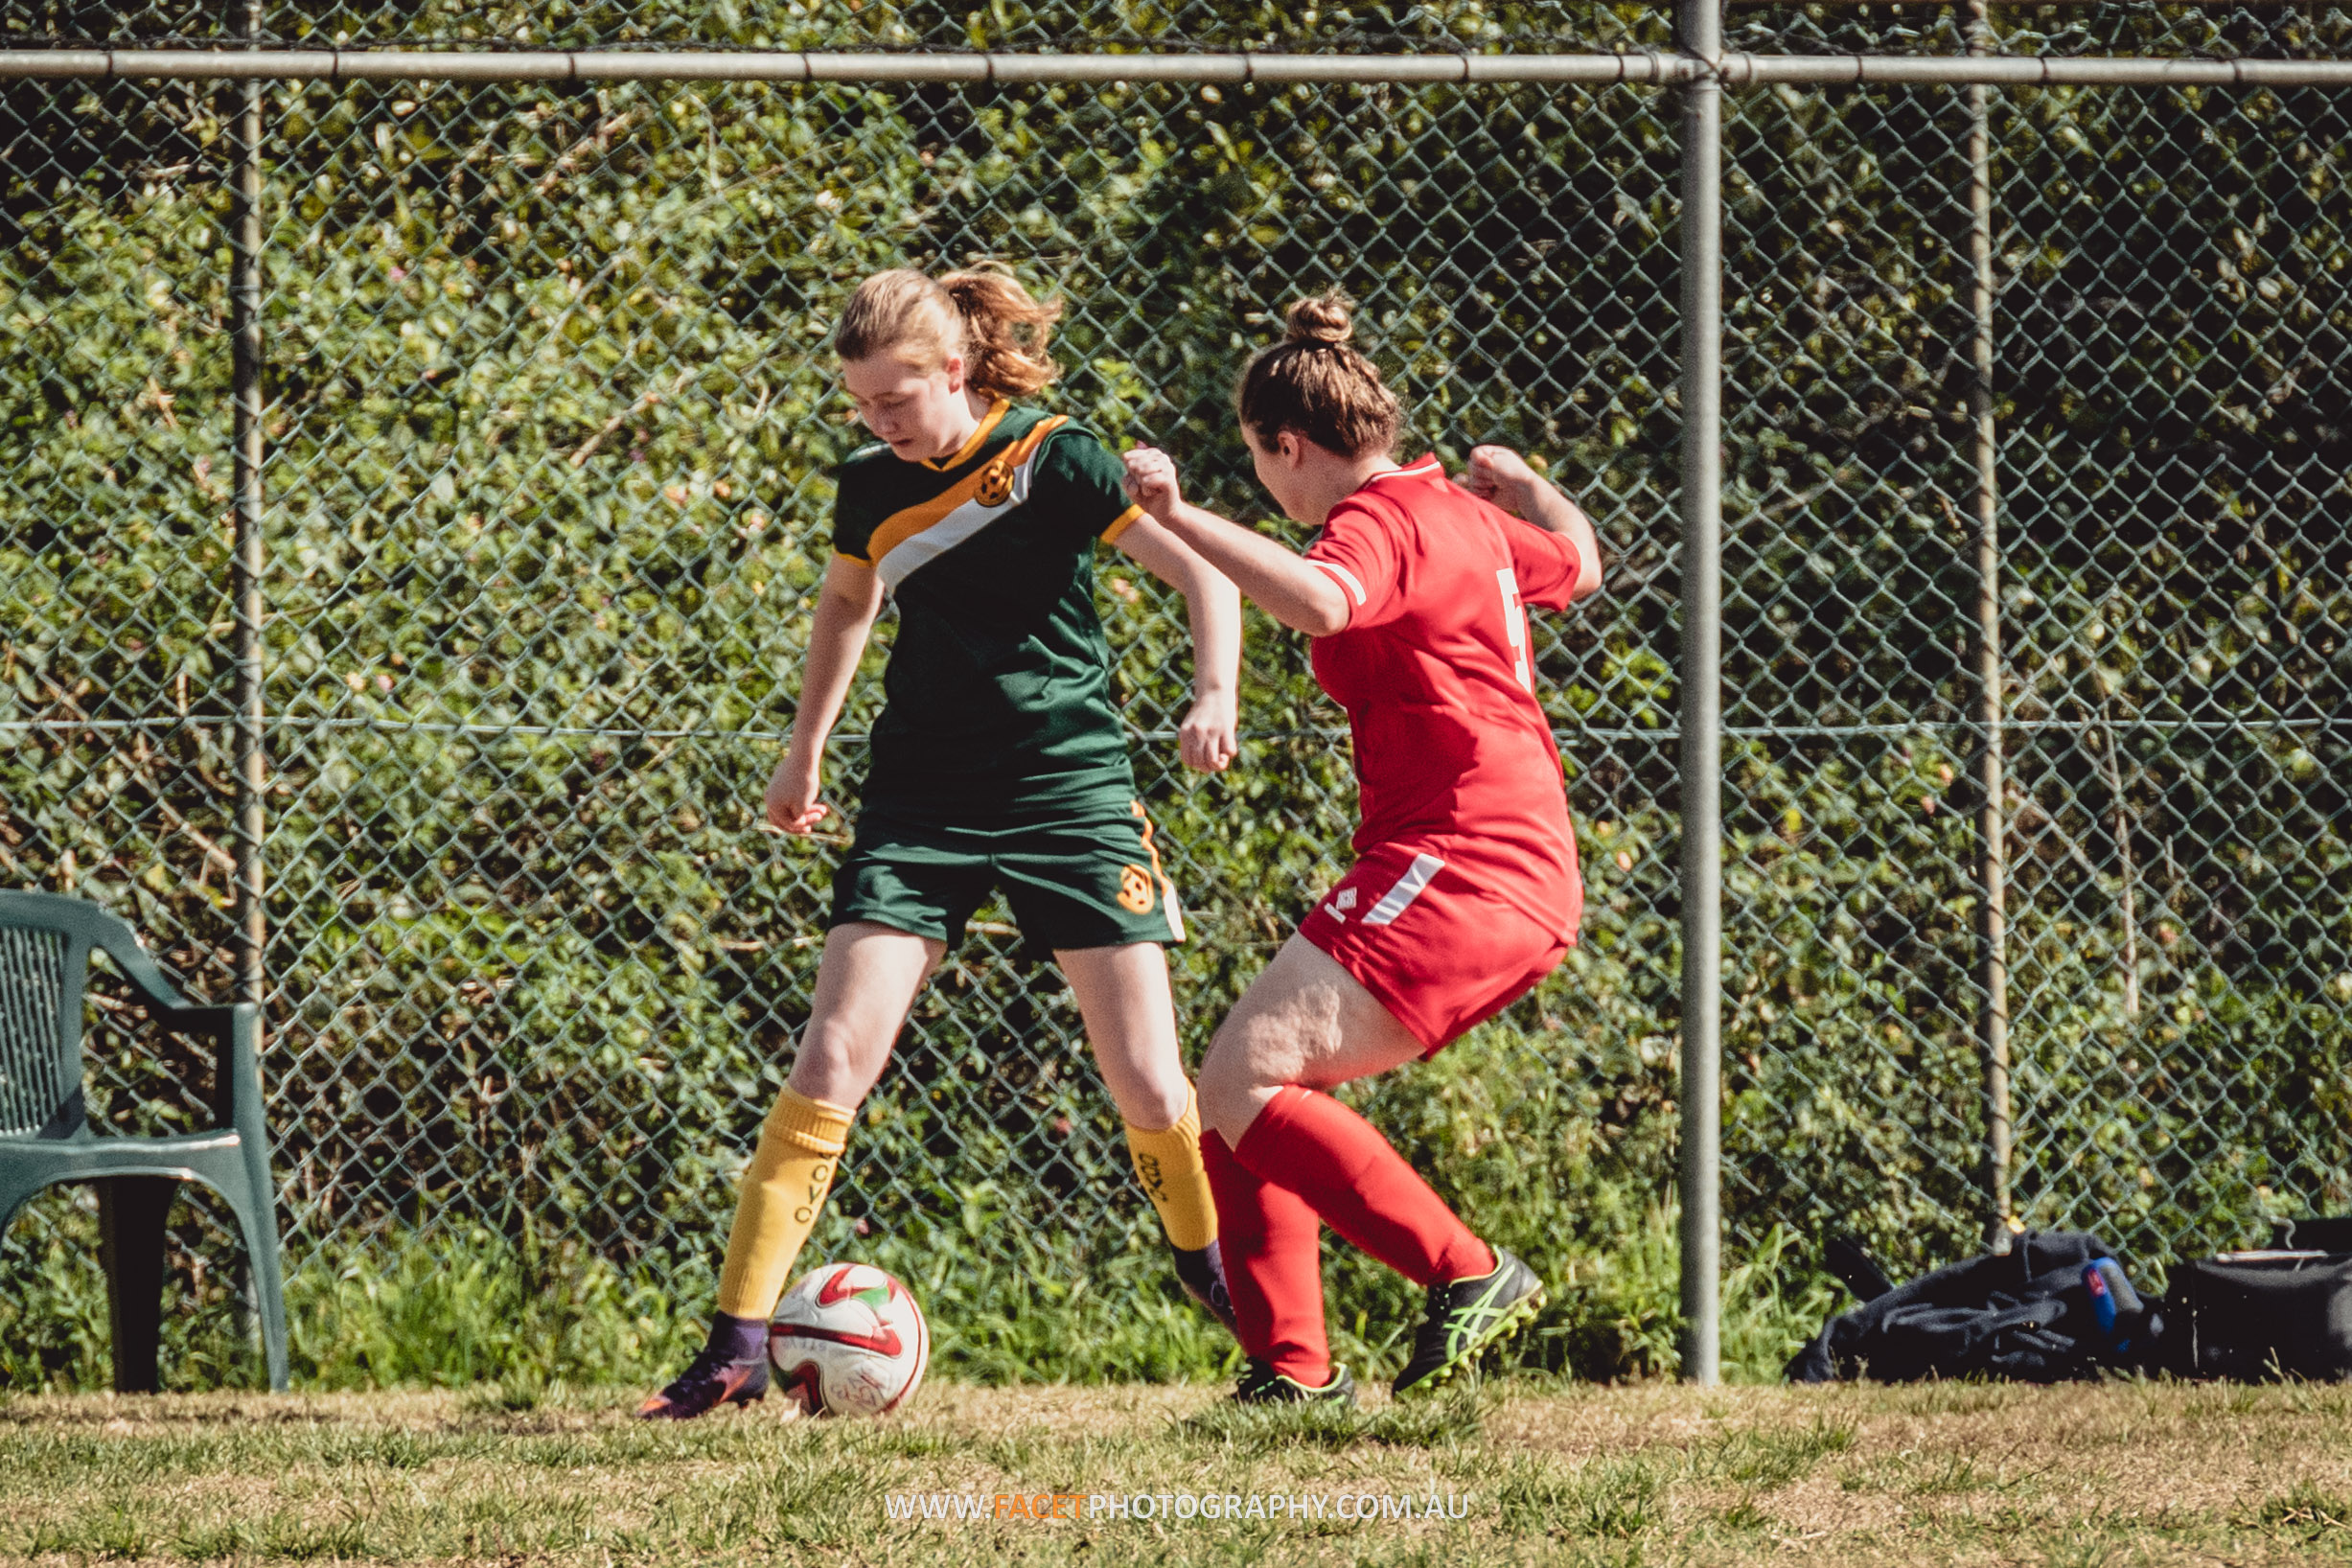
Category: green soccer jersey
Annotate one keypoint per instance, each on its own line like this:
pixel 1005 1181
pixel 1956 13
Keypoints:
pixel 999 686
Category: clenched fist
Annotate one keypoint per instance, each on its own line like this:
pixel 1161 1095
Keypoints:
pixel 1152 482
pixel 1501 475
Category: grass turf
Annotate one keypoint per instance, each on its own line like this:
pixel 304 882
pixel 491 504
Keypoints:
pixel 1648 1474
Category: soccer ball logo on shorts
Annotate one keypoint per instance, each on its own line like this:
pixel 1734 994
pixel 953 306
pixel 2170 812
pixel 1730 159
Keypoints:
pixel 848 1340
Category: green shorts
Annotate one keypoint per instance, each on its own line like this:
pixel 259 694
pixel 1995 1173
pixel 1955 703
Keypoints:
pixel 1092 883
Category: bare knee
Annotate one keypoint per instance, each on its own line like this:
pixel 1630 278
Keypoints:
pixel 1147 1081
pixel 1155 1105
pixel 836 1063
pixel 1144 1072
pixel 1232 1089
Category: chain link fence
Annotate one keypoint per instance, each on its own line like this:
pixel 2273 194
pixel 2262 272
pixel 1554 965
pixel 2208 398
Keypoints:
pixel 2280 30
pixel 550 415
pixel 2170 337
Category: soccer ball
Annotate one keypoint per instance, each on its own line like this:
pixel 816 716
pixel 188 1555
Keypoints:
pixel 847 1340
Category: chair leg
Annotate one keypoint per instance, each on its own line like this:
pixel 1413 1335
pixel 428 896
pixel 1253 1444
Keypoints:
pixel 260 1217
pixel 268 1287
pixel 130 1215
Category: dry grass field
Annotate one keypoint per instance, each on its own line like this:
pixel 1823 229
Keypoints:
pixel 1960 1473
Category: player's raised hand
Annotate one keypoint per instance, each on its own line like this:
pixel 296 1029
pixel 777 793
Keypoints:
pixel 792 796
pixel 1501 475
pixel 1208 739
pixel 1151 481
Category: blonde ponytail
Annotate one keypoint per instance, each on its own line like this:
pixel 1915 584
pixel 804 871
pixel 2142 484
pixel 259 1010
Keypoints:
pixel 1006 330
pixel 983 314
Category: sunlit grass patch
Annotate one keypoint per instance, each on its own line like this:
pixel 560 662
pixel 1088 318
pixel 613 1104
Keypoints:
pixel 1453 1415
pixel 1525 1471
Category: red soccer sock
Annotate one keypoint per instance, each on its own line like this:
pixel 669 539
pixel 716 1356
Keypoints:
pixel 1347 1173
pixel 1273 1249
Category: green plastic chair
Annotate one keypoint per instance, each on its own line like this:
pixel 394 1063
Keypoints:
pixel 45 1135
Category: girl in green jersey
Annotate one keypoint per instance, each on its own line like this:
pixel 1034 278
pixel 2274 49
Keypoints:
pixel 999 762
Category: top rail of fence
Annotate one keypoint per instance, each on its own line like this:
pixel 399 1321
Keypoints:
pixel 1734 70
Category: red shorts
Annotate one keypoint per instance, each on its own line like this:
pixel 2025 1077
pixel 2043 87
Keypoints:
pixel 1445 942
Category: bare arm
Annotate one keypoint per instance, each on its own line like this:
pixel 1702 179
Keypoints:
pixel 1274 577
pixel 846 605
pixel 1206 740
pixel 1501 475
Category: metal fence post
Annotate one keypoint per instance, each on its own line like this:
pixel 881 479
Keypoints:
pixel 1702 715
pixel 1992 918
pixel 245 560
pixel 246 574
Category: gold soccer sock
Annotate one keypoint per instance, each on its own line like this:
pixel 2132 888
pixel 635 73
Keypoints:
pixel 783 1192
pixel 1168 1165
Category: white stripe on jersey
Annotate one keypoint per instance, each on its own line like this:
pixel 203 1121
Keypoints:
pixel 1427 468
pixel 1399 898
pixel 918 550
pixel 1347 578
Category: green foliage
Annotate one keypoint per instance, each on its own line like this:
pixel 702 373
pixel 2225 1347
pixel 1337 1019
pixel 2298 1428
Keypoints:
pixel 473 1309
pixel 453 1311
pixel 549 424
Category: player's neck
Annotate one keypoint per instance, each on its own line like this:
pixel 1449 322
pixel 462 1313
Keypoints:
pixel 1333 478
pixel 974 408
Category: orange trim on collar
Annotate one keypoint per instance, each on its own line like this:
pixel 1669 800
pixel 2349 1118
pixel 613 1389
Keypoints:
pixel 902 526
pixel 997 411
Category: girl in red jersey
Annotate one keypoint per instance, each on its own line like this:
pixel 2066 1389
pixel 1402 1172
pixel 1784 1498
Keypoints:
pixel 1464 892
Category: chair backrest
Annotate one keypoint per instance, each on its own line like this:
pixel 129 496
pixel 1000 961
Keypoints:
pixel 45 943
pixel 40 1065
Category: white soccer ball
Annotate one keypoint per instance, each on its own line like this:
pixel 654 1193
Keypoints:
pixel 848 1340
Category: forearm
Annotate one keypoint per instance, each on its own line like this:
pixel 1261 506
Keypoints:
pixel 837 641
pixel 1555 513
pixel 1272 576
pixel 1215 606
pixel 1212 605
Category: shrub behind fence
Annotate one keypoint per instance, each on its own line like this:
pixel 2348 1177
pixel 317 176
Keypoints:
pixel 549 414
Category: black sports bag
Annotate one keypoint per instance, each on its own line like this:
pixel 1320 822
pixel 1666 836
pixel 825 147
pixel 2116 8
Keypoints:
pixel 2254 1316
pixel 2055 1307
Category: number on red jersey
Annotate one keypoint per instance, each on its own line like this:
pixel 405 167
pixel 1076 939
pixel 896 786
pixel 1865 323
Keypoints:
pixel 1514 627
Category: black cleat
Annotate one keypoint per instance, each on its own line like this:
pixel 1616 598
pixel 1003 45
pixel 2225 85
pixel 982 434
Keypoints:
pixel 1261 1385
pixel 1202 1274
pixel 711 1379
pixel 1465 1317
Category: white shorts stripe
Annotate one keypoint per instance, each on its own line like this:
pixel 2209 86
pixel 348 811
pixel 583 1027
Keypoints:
pixel 1399 898
pixel 1347 578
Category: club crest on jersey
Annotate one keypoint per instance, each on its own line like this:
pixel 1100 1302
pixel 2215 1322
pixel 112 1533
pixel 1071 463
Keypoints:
pixel 910 538
pixel 1341 903
pixel 996 486
pixel 1134 893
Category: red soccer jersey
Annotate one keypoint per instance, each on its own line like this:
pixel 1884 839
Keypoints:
pixel 1433 668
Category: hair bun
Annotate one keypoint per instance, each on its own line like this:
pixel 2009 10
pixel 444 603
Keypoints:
pixel 1324 319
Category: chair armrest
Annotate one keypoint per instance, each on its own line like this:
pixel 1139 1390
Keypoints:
pixel 236 1033
pixel 121 944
